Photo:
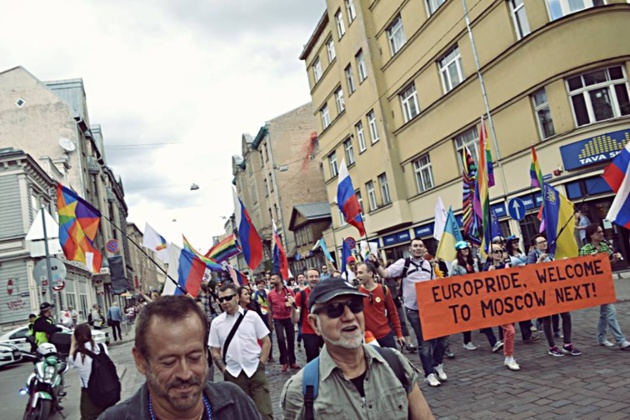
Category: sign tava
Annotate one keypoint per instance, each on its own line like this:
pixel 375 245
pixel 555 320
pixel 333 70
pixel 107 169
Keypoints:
pixel 491 298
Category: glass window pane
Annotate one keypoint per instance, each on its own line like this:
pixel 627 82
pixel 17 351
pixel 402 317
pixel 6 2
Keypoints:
pixel 540 97
pixel 575 83
pixel 615 73
pixel 622 99
pixel 579 106
pixel 602 108
pixel 595 77
pixel 546 123
pixel 555 8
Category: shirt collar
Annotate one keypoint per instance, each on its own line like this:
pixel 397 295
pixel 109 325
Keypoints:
pixel 240 311
pixel 327 364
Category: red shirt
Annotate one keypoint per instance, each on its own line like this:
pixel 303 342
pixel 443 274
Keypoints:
pixel 380 312
pixel 277 301
pixel 306 326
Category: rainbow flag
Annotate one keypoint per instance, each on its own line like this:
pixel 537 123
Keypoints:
pixel 210 263
pixel 78 226
pixel 471 219
pixel 535 174
pixel 224 250
pixel 481 190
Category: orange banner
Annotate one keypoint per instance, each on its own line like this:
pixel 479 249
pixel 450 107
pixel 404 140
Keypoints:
pixel 492 298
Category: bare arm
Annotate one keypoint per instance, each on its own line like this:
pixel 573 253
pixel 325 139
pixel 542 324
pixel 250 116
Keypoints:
pixel 418 407
pixel 217 359
pixel 264 352
pixel 381 271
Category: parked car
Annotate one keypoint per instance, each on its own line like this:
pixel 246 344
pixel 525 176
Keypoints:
pixel 17 337
pixel 9 354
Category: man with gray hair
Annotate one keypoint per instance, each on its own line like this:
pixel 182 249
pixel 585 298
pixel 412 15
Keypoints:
pixel 114 317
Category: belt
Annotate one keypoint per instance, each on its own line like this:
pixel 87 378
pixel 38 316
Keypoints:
pixel 409 309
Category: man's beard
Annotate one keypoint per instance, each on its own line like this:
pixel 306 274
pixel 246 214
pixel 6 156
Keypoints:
pixel 181 402
pixel 346 343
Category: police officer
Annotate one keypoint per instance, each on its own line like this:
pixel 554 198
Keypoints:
pixel 44 326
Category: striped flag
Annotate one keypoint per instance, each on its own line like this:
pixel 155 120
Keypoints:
pixel 535 174
pixel 471 219
pixel 482 189
pixel 225 249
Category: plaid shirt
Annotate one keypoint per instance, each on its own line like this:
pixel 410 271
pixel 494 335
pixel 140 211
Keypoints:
pixel 206 301
pixel 590 249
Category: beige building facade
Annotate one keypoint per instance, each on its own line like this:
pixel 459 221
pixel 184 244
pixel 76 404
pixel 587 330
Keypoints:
pixel 555 75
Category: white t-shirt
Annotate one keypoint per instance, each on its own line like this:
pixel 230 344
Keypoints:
pixel 244 351
pixel 84 367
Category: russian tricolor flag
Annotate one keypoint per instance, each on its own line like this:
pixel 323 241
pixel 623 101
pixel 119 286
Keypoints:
pixel 186 270
pixel 248 237
pixel 617 175
pixel 347 200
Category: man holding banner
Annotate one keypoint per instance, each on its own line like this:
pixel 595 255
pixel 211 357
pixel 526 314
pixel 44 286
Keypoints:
pixel 412 270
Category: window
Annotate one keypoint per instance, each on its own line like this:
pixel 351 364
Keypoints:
pixel 433 5
pixel 451 69
pixel 341 106
pixel 325 116
pixel 330 46
pixel 369 186
pixel 266 187
pixel 360 59
pixel 352 13
pixel 424 173
pixel 560 8
pixel 332 159
pixel 266 152
pixel 382 181
pixel 396 35
pixel 341 29
pixel 360 200
pixel 599 95
pixel 270 183
pixel 543 114
pixel 519 16
pixel 350 79
pixel 349 151
pixel 360 136
pixel 409 102
pixel 317 69
pixel 372 124
pixel 342 218
pixel 468 139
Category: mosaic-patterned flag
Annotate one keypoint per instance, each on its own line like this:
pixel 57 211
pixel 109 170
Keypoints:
pixel 470 218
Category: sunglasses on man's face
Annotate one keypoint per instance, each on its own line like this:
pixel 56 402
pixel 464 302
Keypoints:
pixel 336 309
pixel 226 298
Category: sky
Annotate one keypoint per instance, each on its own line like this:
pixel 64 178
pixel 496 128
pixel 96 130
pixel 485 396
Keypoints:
pixel 174 85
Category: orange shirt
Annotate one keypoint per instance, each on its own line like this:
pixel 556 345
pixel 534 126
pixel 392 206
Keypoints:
pixel 379 310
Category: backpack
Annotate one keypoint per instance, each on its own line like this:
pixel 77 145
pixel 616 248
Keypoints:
pixel 310 378
pixel 90 319
pixel 103 386
pixel 406 270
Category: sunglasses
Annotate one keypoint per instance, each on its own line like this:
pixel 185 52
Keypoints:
pixel 335 310
pixel 226 298
pixel 497 251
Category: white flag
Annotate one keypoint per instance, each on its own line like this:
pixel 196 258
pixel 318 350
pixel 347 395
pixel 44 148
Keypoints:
pixel 156 242
pixel 440 219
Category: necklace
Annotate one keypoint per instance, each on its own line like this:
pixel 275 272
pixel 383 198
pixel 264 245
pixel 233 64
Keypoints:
pixel 206 403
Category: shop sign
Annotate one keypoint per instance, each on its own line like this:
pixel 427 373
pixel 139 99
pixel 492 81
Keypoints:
pixel 499 209
pixel 424 230
pixel 594 150
pixel 396 238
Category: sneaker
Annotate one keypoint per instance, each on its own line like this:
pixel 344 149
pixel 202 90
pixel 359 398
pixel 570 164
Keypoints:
pixel 570 349
pixel 285 368
pixel 432 380
pixel 498 346
pixel 294 366
pixel 558 334
pixel 625 345
pixel 470 346
pixel 555 351
pixel 440 371
pixel 411 348
pixel 534 338
pixel 511 364
pixel 606 343
pixel 448 353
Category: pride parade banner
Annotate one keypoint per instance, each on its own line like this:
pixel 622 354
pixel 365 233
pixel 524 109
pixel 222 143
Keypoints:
pixel 492 298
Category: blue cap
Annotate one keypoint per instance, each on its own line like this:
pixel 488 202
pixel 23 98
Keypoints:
pixel 461 245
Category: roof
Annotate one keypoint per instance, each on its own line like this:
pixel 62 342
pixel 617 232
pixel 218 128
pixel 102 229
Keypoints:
pixel 311 212
pixel 315 36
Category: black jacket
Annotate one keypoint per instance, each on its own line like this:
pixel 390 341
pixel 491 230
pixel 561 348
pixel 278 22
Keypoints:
pixel 45 324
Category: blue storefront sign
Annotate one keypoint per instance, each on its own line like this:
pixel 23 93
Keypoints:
pixel 396 238
pixel 424 230
pixel 594 149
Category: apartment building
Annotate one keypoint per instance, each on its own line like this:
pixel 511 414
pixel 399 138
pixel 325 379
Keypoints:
pixel 397 93
pixel 275 173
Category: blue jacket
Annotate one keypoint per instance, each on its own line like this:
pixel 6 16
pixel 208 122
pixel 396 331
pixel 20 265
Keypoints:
pixel 115 314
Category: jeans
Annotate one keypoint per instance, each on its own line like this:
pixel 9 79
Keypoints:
pixel 388 341
pixel 467 337
pixel 489 332
pixel 566 329
pixel 608 318
pixel 403 322
pixel 431 351
pixel 285 328
pixel 312 345
pixel 526 329
pixel 116 327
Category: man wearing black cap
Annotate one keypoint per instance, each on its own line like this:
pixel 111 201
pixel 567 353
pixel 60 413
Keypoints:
pixel 352 375
pixel 44 326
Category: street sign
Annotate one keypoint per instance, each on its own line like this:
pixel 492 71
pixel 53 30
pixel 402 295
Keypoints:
pixel 113 246
pixel 516 209
pixel 57 269
pixel 59 287
pixel 352 243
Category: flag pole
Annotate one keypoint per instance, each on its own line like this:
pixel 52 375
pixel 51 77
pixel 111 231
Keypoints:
pixel 183 289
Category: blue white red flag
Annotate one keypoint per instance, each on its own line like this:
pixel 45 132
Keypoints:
pixel 186 270
pixel 280 261
pixel 237 277
pixel 348 201
pixel 248 237
pixel 617 175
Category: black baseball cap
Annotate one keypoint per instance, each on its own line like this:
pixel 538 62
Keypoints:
pixel 330 289
pixel 46 306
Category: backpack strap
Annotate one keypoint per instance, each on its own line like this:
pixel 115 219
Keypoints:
pixel 302 305
pixel 405 268
pixel 310 387
pixel 395 364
